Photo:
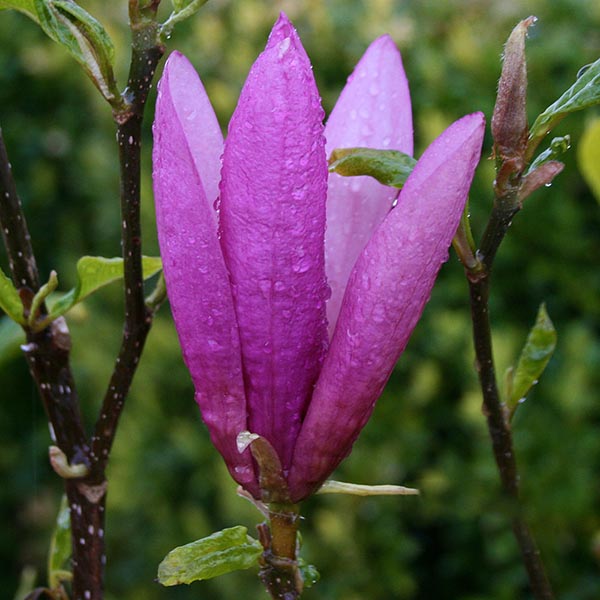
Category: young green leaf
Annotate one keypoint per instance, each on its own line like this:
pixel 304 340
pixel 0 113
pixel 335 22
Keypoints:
pixel 309 573
pixel 94 272
pixel 27 7
pixel 583 93
pixel 184 9
pixel 40 298
pixel 60 547
pixel 10 301
pixel 535 355
pixel 222 552
pixel 11 338
pixel 389 167
pixel 588 156
pixel 82 35
pixel 557 147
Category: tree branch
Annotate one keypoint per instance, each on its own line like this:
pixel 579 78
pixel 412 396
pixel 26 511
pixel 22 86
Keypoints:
pixel 146 54
pixel 15 234
pixel 497 419
pixel 47 354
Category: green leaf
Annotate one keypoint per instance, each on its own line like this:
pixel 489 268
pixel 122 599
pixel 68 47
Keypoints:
pixel 82 35
pixel 40 298
pixel 25 6
pixel 535 355
pixel 588 156
pixel 583 93
pixel 94 272
pixel 60 547
pixel 389 167
pixel 10 301
pixel 184 9
pixel 11 338
pixel 309 573
pixel 222 552
pixel 558 146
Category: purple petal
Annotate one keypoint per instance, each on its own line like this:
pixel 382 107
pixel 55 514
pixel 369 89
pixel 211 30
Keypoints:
pixel 273 220
pixel 386 294
pixel 197 281
pixel 373 111
pixel 198 121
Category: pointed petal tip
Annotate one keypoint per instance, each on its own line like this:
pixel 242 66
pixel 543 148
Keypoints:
pixel 178 70
pixel 282 30
pixel 473 123
pixel 176 61
pixel 384 43
pixel 282 20
pixel 384 51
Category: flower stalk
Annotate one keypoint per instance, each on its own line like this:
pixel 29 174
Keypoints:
pixel 278 564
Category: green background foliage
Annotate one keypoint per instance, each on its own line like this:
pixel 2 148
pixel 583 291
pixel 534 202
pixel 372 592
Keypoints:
pixel 167 484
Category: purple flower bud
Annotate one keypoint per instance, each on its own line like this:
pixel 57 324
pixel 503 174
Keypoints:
pixel 249 287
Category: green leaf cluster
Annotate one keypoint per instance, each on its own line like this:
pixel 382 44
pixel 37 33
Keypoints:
pixel 93 273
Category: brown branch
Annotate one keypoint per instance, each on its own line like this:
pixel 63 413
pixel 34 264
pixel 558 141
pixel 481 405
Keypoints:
pixel 146 54
pixel 15 234
pixel 497 418
pixel 47 355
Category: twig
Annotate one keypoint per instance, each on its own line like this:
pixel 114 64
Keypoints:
pixel 47 354
pixel 146 54
pixel 15 234
pixel 497 420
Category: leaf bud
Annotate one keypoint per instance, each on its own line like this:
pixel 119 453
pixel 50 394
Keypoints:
pixel 509 121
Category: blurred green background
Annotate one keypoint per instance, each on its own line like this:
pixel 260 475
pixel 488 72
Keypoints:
pixel 167 484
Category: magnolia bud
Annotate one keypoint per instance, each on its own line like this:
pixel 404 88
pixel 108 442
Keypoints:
pixel 509 121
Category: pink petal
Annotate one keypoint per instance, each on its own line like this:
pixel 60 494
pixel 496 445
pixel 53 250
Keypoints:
pixel 373 111
pixel 198 121
pixel 273 220
pixel 197 281
pixel 386 294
